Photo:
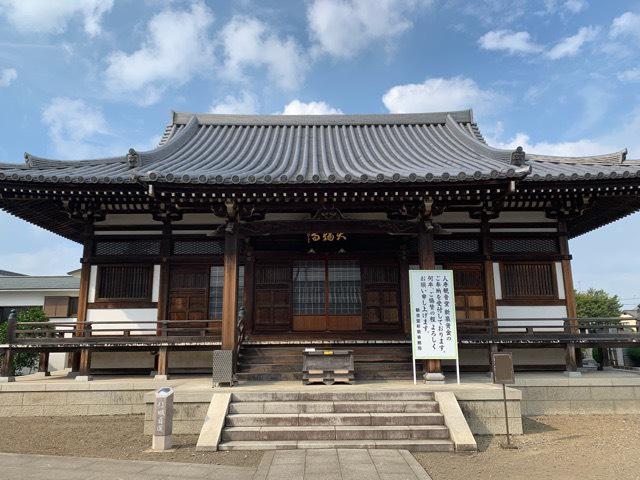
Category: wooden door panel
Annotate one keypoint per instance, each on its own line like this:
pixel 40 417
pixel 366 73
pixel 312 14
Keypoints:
pixel 381 287
pixel 189 297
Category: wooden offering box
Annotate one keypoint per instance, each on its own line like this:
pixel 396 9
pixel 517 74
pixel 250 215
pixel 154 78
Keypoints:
pixel 327 366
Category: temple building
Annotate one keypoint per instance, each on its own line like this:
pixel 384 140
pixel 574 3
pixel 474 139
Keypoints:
pixel 263 235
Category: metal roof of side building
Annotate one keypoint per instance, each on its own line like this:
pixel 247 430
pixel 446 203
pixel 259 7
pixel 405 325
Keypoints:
pixel 31 283
pixel 313 149
pixel 7 273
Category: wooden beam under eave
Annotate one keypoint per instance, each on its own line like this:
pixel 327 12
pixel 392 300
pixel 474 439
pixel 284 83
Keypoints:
pixel 230 290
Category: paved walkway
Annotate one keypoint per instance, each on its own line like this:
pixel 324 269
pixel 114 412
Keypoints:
pixel 327 464
pixel 341 464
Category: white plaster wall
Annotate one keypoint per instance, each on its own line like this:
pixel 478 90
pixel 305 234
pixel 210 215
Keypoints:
pixel 560 279
pixel 31 298
pixel 531 311
pixel 125 318
pixel 93 276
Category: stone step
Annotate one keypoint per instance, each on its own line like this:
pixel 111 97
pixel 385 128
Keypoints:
pixel 333 419
pixel 334 407
pixel 414 432
pixel 251 358
pixel 405 374
pixel 413 445
pixel 333 396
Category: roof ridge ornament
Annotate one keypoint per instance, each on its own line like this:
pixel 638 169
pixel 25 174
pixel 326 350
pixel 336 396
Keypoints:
pixel 133 158
pixel 518 157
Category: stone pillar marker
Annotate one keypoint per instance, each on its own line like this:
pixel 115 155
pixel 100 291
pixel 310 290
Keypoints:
pixel 163 420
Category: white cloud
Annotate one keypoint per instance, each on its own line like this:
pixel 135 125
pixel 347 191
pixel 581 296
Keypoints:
pixel 249 44
pixel 512 42
pixel 73 126
pixel 582 147
pixel 176 47
pixel 49 16
pixel 627 24
pixel 441 94
pixel 245 104
pixel 7 76
pixel 570 46
pixel 296 107
pixel 575 6
pixel 630 75
pixel 342 28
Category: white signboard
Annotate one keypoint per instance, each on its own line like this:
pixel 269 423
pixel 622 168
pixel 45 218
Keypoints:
pixel 433 315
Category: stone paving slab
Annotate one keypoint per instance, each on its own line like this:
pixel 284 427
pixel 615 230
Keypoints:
pixel 339 464
pixel 45 467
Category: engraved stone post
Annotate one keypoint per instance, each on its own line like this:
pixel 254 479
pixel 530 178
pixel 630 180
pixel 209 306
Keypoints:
pixel 163 419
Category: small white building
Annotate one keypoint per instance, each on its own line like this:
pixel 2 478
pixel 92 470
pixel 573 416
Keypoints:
pixel 57 295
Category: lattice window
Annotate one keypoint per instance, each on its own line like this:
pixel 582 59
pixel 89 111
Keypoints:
pixel 528 280
pixel 110 248
pixel 269 275
pixel 125 282
pixel 525 245
pixel 308 288
pixel 456 245
pixel 467 279
pixel 345 296
pixel 381 275
pixel 207 247
pixel 216 286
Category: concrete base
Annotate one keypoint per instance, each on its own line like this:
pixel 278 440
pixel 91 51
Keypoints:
pixel 163 378
pixel 433 378
pixel 83 378
pixel 7 379
pixel 571 374
pixel 42 374
pixel 160 443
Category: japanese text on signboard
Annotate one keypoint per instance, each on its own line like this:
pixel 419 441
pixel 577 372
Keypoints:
pixel 433 314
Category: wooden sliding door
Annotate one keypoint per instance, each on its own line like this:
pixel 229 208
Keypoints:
pixel 188 294
pixel 381 284
pixel 272 304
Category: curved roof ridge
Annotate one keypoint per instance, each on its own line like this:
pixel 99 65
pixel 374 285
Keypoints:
pixel 462 116
pixel 172 145
pixel 479 147
pixel 33 161
pixel 605 158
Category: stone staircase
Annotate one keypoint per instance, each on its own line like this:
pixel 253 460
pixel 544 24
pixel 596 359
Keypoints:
pixel 279 362
pixel 351 419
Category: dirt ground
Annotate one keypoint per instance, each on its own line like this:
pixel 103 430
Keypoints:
pixel 105 437
pixel 553 447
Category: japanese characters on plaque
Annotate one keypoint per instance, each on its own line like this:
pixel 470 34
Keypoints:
pixel 433 314
pixel 325 237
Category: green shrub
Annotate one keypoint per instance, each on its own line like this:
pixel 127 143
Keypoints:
pixel 634 355
pixel 24 362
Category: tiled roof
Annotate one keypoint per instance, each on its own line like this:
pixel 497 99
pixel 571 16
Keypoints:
pixel 25 282
pixel 7 273
pixel 282 149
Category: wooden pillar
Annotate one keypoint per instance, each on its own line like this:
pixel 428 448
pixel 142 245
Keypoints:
pixel 84 372
pixel 6 370
pixel 249 269
pixel 163 364
pixel 6 367
pixel 427 261
pixel 404 290
pixel 83 294
pixel 43 364
pixel 569 292
pixel 491 309
pixel 230 289
pixel 163 294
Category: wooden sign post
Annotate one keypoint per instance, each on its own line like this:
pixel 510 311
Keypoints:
pixel 503 373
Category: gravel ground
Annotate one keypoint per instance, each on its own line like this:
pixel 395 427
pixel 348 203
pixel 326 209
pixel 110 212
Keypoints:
pixel 105 437
pixel 563 447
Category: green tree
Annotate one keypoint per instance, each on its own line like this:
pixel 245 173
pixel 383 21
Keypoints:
pixel 597 304
pixel 25 360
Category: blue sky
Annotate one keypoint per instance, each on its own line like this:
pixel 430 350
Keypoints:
pixel 96 77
